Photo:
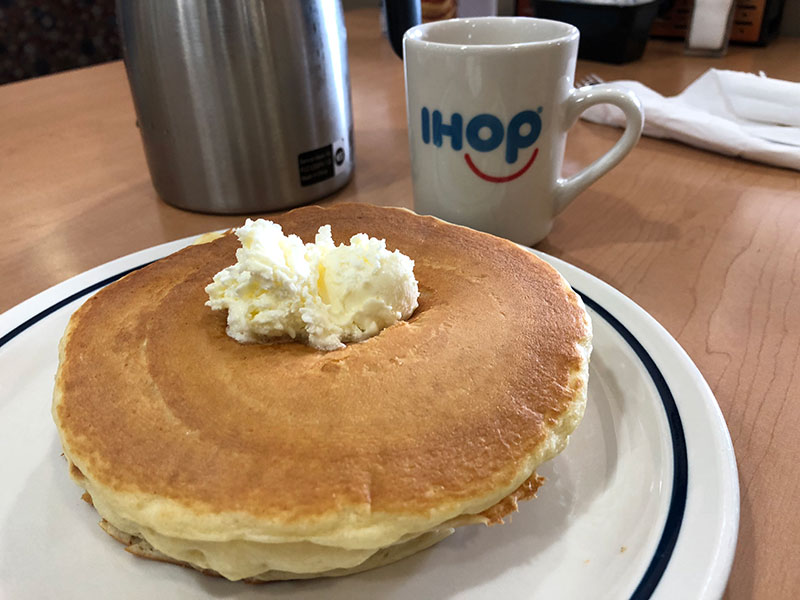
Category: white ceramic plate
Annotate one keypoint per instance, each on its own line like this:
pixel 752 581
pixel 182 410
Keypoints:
pixel 643 503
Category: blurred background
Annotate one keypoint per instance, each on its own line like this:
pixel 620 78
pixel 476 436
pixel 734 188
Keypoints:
pixel 39 37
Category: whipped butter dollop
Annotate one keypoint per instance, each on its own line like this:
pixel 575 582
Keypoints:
pixel 318 293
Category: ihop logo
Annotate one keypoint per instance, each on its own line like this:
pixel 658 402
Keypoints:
pixel 487 133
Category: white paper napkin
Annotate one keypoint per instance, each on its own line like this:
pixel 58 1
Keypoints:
pixel 733 113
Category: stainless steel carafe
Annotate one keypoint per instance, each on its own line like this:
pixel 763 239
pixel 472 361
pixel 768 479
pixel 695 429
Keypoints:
pixel 243 105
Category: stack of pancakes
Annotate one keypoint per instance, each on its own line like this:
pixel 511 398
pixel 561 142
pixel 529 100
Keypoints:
pixel 280 461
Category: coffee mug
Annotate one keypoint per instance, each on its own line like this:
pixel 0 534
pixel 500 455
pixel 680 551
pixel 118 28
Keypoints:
pixel 489 104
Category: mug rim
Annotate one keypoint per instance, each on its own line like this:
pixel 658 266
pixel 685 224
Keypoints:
pixel 415 34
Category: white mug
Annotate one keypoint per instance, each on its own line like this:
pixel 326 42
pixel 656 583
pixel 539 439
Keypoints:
pixel 489 104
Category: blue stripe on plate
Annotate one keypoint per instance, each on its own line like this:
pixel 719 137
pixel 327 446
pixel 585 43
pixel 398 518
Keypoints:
pixel 62 303
pixel 677 506
pixel 680 469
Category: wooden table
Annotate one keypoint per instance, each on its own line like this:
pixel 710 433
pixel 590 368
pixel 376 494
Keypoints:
pixel 709 245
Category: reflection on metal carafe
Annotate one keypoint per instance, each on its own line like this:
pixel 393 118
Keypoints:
pixel 243 105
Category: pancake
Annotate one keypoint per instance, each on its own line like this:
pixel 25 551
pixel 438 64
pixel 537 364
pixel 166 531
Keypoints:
pixel 276 461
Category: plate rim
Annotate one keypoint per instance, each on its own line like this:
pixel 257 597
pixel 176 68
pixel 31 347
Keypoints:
pixel 24 315
pixel 661 345
pixel 680 464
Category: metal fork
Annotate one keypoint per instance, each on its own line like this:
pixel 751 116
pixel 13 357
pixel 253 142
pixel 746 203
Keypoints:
pixel 590 79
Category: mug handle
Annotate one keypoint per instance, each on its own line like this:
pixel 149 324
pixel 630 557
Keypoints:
pixel 578 101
